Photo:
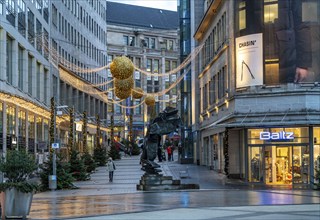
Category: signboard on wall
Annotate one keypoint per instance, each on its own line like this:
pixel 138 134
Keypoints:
pixel 249 58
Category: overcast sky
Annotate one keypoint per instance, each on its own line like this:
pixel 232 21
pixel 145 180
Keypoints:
pixel 161 4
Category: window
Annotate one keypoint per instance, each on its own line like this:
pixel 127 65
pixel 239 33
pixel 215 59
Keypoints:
pixel 30 27
pixel 156 66
pixel 38 80
pixel 132 41
pixel 242 15
pixel 270 11
pixel 9 59
pixel 1 8
pixel 170 45
pixel 39 36
pixel 39 5
pixel 55 16
pixel 10 11
pixel 125 40
pixel 22 123
pixel 46 10
pixel 39 129
pixel 20 67
pixel 30 84
pixel 153 43
pixel 45 86
pixel 22 17
pixel 149 65
pixel 11 122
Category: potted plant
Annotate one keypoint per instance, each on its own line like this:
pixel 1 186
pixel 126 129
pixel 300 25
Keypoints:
pixel 17 190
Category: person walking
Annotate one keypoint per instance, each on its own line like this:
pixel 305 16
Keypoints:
pixel 169 152
pixel 111 167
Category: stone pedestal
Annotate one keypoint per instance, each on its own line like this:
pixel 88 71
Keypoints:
pixel 150 182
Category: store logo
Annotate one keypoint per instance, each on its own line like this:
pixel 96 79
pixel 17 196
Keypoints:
pixel 247 43
pixel 282 135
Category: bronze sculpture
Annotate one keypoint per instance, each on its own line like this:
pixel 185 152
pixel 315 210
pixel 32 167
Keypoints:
pixel 167 122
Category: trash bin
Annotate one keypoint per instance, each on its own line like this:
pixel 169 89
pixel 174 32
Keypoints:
pixel 52 182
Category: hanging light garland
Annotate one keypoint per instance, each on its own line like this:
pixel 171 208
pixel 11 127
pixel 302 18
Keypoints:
pixel 122 70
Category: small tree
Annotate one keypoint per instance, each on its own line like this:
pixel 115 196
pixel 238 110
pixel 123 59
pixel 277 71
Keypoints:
pixel 135 149
pixel 99 153
pixel 114 152
pixel 17 168
pixel 89 162
pixel 100 156
pixel 77 168
pixel 64 178
pixel 71 129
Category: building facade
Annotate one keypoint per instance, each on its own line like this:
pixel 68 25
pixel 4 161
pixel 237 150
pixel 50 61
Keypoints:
pixel 42 55
pixel 259 90
pixel 149 37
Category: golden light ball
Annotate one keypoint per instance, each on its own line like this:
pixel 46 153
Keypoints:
pixel 137 93
pixel 124 84
pixel 150 100
pixel 121 67
pixel 122 94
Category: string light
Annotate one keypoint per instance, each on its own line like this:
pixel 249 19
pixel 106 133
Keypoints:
pixel 91 88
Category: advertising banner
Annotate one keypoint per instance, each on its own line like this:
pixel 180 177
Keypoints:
pixel 249 57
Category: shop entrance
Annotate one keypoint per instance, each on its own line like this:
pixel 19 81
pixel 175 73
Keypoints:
pixel 279 164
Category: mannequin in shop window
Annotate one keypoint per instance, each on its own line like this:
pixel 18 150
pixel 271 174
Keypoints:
pixel 255 168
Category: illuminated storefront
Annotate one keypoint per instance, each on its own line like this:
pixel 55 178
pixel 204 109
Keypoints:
pixel 282 155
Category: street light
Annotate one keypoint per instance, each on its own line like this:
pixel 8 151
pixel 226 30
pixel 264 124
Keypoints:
pixel 55 145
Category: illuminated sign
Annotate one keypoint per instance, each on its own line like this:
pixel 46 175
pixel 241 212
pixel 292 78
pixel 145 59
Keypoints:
pixel 282 135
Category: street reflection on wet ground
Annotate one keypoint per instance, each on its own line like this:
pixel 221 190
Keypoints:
pixel 79 206
pixel 98 197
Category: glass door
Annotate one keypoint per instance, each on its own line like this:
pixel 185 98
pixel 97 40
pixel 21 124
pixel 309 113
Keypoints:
pixel 277 165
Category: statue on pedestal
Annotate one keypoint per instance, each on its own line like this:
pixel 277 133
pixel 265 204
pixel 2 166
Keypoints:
pixel 167 121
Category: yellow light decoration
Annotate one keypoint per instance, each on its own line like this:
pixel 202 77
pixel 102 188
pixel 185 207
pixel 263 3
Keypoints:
pixel 150 100
pixel 124 84
pixel 137 93
pixel 121 68
pixel 122 94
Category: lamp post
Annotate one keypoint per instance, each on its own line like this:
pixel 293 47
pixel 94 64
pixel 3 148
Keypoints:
pixel 54 146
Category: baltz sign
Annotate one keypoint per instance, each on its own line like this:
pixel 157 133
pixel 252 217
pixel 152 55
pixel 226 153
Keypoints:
pixel 282 135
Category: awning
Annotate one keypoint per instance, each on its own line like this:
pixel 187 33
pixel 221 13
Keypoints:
pixel 267 119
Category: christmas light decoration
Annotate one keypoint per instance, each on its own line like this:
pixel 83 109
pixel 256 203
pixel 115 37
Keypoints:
pixel 121 68
pixel 137 93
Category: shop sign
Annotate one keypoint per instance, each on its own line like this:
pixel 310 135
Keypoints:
pixel 282 135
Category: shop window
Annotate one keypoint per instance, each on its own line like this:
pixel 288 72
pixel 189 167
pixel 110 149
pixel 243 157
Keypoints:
pixel 316 149
pixel 255 164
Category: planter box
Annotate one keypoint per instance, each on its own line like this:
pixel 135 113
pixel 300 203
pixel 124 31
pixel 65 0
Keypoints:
pixel 15 204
